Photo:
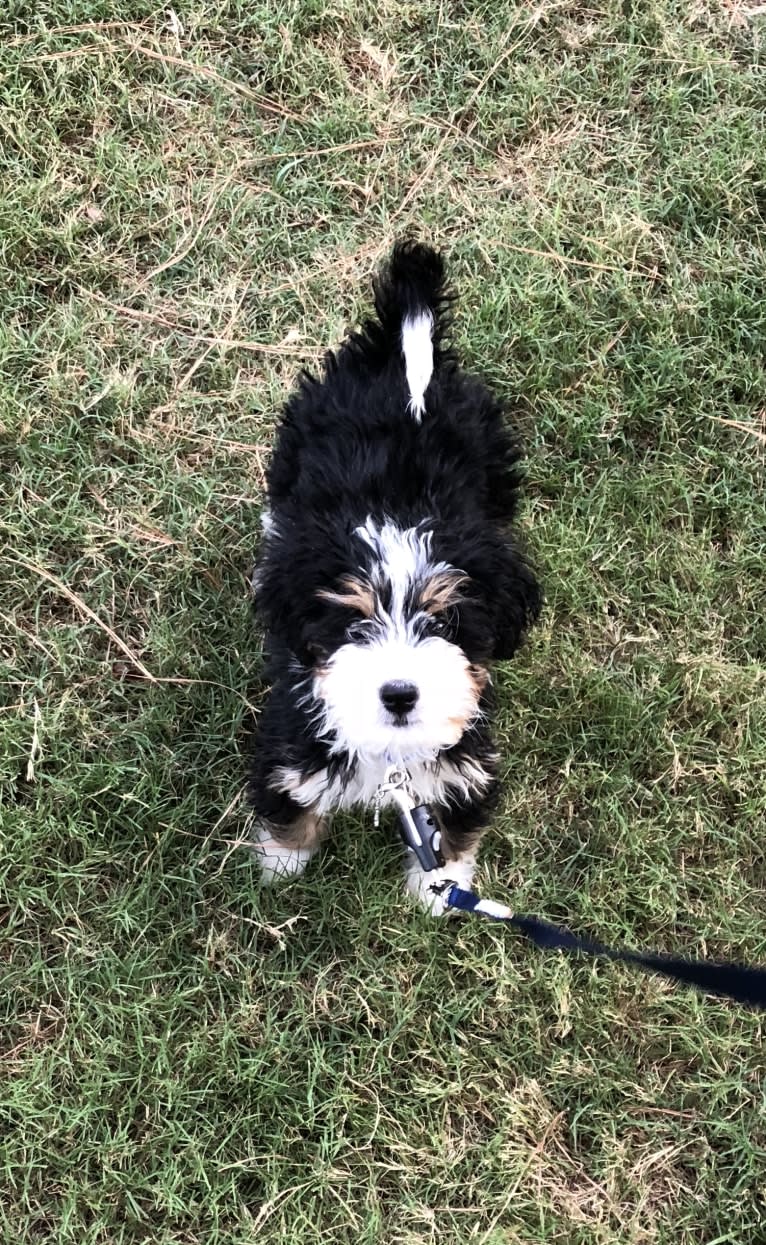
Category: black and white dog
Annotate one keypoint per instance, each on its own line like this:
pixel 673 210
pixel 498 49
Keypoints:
pixel 387 582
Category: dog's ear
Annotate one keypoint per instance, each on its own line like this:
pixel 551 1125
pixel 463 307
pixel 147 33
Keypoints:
pixel 291 570
pixel 502 596
pixel 274 592
pixel 515 599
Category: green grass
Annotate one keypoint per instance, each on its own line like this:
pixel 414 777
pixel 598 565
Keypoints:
pixel 186 217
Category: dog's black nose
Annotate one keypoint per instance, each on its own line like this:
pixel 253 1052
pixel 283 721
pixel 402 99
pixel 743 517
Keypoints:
pixel 399 697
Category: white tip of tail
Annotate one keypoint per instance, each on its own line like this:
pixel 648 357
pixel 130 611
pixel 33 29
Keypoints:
pixel 418 351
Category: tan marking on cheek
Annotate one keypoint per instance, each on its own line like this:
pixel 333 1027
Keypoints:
pixel 441 591
pixel 356 594
pixel 320 679
pixel 478 677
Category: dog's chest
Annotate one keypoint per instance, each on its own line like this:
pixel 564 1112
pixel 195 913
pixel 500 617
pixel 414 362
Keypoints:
pixel 429 782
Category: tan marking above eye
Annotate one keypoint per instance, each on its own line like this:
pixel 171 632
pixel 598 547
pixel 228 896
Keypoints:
pixel 356 594
pixel 441 591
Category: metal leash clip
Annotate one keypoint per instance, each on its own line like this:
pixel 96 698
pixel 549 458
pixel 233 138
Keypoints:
pixel 417 824
pixel 395 780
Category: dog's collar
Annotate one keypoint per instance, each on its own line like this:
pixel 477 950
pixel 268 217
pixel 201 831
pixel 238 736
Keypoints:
pixel 396 783
pixel 397 780
pixel 417 824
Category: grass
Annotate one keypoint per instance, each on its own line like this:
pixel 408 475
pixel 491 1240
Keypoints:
pixel 191 204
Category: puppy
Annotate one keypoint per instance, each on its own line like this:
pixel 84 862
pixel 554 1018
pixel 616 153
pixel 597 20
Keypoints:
pixel 387 582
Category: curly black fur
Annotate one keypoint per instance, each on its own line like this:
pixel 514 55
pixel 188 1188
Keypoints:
pixel 349 452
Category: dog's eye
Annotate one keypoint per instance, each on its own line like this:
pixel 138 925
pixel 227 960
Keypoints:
pixel 358 632
pixel 439 625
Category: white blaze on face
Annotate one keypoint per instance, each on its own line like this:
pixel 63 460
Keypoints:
pixel 392 648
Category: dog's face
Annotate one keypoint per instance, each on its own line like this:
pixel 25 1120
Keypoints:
pixel 397 680
pixel 396 626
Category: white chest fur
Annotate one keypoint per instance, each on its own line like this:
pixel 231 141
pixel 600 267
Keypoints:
pixel 430 782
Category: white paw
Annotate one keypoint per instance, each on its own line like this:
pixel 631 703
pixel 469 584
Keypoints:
pixel 421 885
pixel 277 861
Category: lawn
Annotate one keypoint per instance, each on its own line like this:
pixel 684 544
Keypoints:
pixel 191 203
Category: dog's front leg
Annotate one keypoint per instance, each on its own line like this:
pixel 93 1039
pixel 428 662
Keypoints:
pixel 458 867
pixel 283 851
pixel 462 825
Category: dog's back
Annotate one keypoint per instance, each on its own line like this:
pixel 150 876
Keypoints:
pixel 395 420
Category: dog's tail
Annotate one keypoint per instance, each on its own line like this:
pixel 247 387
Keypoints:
pixel 411 304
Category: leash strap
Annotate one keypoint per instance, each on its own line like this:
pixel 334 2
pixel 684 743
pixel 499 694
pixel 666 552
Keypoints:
pixel 740 982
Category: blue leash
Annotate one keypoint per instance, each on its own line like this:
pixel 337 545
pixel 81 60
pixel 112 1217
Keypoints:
pixel 421 835
pixel 740 982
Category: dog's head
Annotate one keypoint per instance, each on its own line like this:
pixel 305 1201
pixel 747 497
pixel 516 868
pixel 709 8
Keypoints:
pixel 396 627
